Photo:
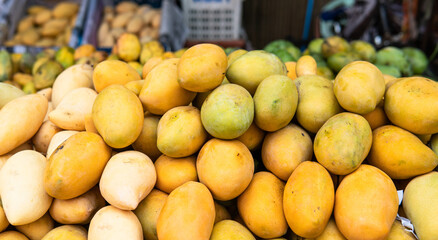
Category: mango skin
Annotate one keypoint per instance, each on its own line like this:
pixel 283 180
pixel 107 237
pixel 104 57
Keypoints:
pixel 251 68
pixel 111 72
pixel 147 140
pixel 308 199
pixel 118 116
pixel 316 102
pixel 161 91
pixel 148 212
pixel 253 137
pixel 225 167
pixel 331 232
pixel 412 103
pixel 187 214
pixel 66 232
pixel 343 142
pixel 275 102
pixel 366 204
pixel 260 206
pixel 359 87
pixel 398 232
pixel 202 67
pixel 227 112
pixel 76 165
pixel 180 132
pixel 128 47
pixel 230 229
pixel 400 154
pixel 420 205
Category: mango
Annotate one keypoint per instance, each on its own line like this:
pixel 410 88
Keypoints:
pixel 225 167
pixel 111 72
pixel 4 223
pixel 399 232
pixel 26 63
pixel 9 235
pixel 147 140
pixel 261 206
pixel 400 154
pixel 20 119
pixel 57 139
pixel 193 201
pixel 150 64
pixel 291 70
pixel 148 212
pixel 250 69
pixel 308 199
pixel 275 102
pixel 149 50
pixel 235 55
pixel 180 132
pixel 200 97
pixel 66 231
pixel 412 104
pixel 22 190
pixel 334 44
pixel 161 91
pixel 118 116
pixel 343 142
pixel 135 86
pixel 8 93
pixel 316 102
pixel 137 66
pixel 253 137
pixel 331 232
pixel 417 59
pixel 376 118
pixel 229 229
pixel 128 46
pixel 285 149
pixel 65 56
pixel 419 203
pixel 39 228
pixel 78 210
pixel 228 111
pixel 366 204
pixel 127 179
pixel 338 60
pixel 202 67
pixel 42 138
pixel 46 74
pixel 394 57
pixel 65 10
pixel 365 50
pixel 76 165
pixel 6 66
pixel 85 50
pixel 306 65
pixel 359 87
pixel 221 213
pixel 174 172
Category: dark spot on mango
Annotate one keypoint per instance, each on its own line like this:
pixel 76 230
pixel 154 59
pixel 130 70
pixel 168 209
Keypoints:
pixel 302 134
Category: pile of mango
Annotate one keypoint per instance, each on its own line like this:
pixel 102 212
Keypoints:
pixel 143 21
pixel 333 53
pixel 44 27
pixel 202 145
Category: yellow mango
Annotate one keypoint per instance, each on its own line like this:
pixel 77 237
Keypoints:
pixel 42 138
pixel 150 64
pixel 57 139
pixel 412 104
pixel 85 50
pixel 225 167
pixel 398 232
pixel 135 86
pixel 202 67
pixel 235 55
pixel 12 235
pixel 4 223
pixel 161 91
pixel 275 102
pixel 8 92
pixel 400 154
pixel 128 46
pixel 420 205
pixel 251 68
pixel 376 118
pixel 78 210
pixel 76 165
pixel 291 70
pixel 308 199
pixel 148 211
pixel 111 223
pixel 285 149
pixel 221 213
pixel 331 232
pixel 110 72
pixel 147 140
pixel 187 214
pixel 127 179
pixel 316 102
pixel 343 142
pixel 38 229
pixel 261 206
pixel 229 229
pixel 253 137
pixel 174 172
pixel 5 157
pixel 359 87
pixel 70 232
pixel 20 119
pixel 366 204
pixel 306 65
pixel 118 116
pixel 65 9
pixel 180 132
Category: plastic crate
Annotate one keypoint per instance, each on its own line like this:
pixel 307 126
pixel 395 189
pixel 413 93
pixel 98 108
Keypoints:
pixel 213 19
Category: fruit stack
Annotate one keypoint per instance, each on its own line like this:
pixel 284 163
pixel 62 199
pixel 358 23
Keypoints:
pixel 203 146
pixel 44 27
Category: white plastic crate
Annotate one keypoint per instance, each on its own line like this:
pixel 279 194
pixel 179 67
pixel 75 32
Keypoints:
pixel 213 19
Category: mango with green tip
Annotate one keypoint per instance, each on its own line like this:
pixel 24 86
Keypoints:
pixel 65 56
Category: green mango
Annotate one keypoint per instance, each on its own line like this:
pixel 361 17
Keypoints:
pixel 65 56
pixel 389 70
pixel 392 56
pixel 325 72
pixel 315 46
pixel 284 55
pixel 46 53
pixel 365 50
pixel 294 52
pixel 417 59
pixel 320 62
pixel 5 66
pixel 26 63
pixel 338 60
pixel 277 44
pixel 46 74
pixel 229 50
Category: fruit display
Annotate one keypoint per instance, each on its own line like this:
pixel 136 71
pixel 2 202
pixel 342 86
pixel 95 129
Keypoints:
pixel 141 20
pixel 199 144
pixel 44 27
pixel 333 53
